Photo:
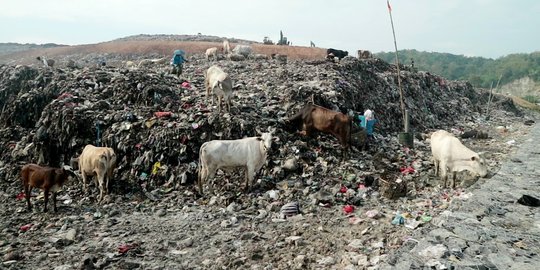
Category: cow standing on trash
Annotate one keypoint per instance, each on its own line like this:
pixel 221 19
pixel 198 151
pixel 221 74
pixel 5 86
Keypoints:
pixel 451 156
pixel 316 118
pixel 99 162
pixel 249 153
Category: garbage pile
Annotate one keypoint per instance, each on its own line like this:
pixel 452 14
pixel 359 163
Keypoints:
pixel 308 209
pixel 153 119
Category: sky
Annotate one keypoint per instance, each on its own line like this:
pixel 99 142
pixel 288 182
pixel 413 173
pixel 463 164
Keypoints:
pixel 485 28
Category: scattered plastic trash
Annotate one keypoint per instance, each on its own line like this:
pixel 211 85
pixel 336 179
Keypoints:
pixel 398 220
pixel 26 227
pixel 511 142
pixel 126 247
pixel 20 196
pixel 156 167
pixel 373 214
pixel 162 114
pixel 406 170
pixel 426 218
pixel 343 189
pixel 290 209
pixel 412 223
pixel 186 85
pixel 355 220
pixel 348 209
pixel 529 201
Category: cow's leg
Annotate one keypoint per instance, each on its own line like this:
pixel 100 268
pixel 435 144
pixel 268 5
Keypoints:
pixel 436 163
pixel 454 173
pixel 250 175
pixel 54 201
pixel 443 172
pixel 27 192
pixel 46 193
pixel 246 188
pixel 101 182
pixel 228 104
pixel 210 178
pixel 107 178
pixel 85 182
pixel 220 103
pixel 345 154
pixel 201 179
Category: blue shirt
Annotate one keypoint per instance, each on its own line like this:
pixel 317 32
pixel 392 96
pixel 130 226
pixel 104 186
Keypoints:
pixel 369 126
pixel 362 121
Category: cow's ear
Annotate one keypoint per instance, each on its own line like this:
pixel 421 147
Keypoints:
pixel 473 158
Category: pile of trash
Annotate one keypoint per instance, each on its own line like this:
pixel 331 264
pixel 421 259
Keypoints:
pixel 153 119
pixel 156 124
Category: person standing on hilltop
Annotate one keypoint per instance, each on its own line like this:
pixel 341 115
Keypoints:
pixel 177 62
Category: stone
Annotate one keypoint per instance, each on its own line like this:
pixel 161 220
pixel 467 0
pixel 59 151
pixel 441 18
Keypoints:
pixel 71 234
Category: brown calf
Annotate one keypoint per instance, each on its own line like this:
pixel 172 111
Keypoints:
pixel 46 178
pixel 313 117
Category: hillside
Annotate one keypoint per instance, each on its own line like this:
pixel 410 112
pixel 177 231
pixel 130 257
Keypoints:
pixel 7 48
pixel 197 38
pixel 117 51
pixel 479 71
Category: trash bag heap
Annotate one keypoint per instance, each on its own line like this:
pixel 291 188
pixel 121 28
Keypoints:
pixel 154 120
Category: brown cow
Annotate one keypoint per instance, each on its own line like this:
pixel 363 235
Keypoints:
pixel 314 117
pixel 46 178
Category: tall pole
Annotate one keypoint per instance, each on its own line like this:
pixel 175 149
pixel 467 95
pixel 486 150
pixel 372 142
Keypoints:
pixel 397 65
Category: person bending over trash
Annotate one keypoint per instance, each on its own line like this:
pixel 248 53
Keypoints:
pixel 177 62
pixel 368 121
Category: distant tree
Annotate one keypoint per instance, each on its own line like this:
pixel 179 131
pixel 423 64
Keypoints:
pixel 479 71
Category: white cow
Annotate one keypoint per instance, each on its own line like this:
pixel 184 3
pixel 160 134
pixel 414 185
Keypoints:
pixel 244 50
pixel 211 52
pixel 249 153
pixel 449 154
pixel 218 82
pixel 99 162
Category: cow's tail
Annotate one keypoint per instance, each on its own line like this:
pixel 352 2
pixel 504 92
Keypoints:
pixel 104 162
pixel 200 169
pixel 350 131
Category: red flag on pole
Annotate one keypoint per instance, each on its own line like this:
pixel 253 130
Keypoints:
pixel 389 7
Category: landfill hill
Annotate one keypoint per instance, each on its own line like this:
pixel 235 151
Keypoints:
pixel 59 108
pixel 154 217
pixel 148 46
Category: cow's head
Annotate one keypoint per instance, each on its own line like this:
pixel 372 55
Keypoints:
pixel 69 172
pixel 266 137
pixel 478 165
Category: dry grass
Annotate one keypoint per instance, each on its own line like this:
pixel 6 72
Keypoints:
pixel 159 47
pixel 525 104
